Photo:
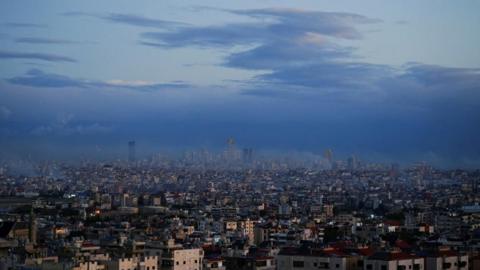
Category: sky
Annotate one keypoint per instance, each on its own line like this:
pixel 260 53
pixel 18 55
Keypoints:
pixel 395 81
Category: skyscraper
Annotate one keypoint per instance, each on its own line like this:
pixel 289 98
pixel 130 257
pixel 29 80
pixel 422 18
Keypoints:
pixel 131 151
pixel 247 155
pixel 32 227
pixel 231 151
pixel 352 163
pixel 329 156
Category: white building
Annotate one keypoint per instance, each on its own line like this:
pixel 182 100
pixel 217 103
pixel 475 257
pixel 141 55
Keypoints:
pixel 89 266
pixel 308 258
pixel 134 263
pixel 395 260
pixel 445 259
pixel 213 264
pixel 174 257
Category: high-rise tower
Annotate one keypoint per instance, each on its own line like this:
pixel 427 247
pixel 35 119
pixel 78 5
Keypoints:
pixel 131 151
pixel 329 155
pixel 32 227
pixel 247 155
pixel 231 154
pixel 352 163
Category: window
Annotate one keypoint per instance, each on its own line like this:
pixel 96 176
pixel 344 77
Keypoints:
pixel 184 262
pixel 416 266
pixel 337 265
pixel 261 263
pixel 177 262
pixel 360 263
pixel 167 263
pixel 384 267
pixel 462 264
pixel 315 264
pixel 447 265
pixel 196 261
pixel 401 267
pixel 298 264
pixel 369 267
pixel 324 265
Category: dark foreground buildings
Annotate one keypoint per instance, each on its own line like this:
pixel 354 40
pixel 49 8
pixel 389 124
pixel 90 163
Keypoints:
pixel 267 215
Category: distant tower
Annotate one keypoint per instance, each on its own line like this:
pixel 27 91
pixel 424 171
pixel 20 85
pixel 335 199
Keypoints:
pixel 231 149
pixel 231 142
pixel 32 227
pixel 394 170
pixel 247 155
pixel 329 155
pixel 352 163
pixel 131 151
pixel 475 185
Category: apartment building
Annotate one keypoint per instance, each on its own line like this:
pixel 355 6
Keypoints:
pixel 394 260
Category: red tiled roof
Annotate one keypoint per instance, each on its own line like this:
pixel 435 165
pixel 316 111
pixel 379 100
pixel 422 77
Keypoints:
pixel 443 253
pixel 392 223
pixel 402 244
pixel 392 256
pixel 366 251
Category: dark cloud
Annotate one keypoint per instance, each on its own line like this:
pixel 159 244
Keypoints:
pixel 294 21
pixel 38 78
pixel 37 40
pixel 440 92
pixel 438 76
pixel 136 20
pixel 35 56
pixel 297 50
pixel 329 75
pixel 76 13
pixel 128 19
pixel 271 56
pixel 228 35
pixel 273 25
pixel 295 46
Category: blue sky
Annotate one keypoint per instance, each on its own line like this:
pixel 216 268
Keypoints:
pixel 396 81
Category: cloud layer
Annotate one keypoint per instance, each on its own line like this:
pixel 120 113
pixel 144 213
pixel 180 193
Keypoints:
pixel 35 56
pixel 38 78
pixel 39 40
